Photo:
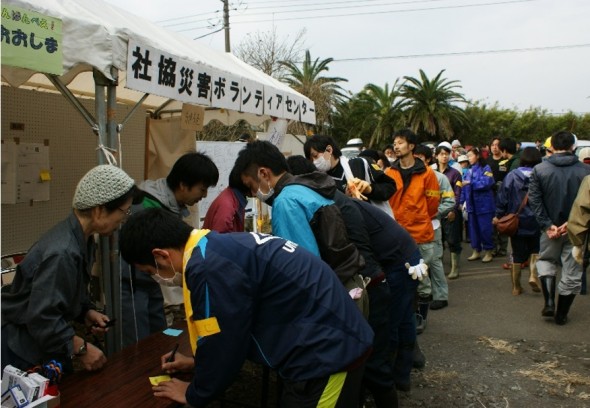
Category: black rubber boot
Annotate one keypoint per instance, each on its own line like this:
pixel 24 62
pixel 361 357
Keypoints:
pixel 548 287
pixel 402 366
pixel 564 303
pixel 385 398
pixel 422 312
pixel 419 357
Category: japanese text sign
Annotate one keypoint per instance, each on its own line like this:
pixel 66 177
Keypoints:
pixel 156 72
pixel 31 40
pixel 192 117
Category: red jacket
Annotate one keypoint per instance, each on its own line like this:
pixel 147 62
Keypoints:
pixel 414 205
pixel 226 213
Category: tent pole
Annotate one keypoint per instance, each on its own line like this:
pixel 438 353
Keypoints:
pixel 116 338
pixel 72 99
pixel 107 281
pixel 132 111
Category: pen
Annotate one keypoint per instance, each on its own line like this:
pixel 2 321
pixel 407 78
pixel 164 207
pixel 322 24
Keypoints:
pixel 171 358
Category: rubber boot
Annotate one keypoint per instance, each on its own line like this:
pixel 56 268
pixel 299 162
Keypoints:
pixel 548 286
pixel 474 256
pixel 454 266
pixel 533 278
pixel 419 357
pixel 487 257
pixel 564 303
pixel 385 398
pixel 516 288
pixel 402 366
pixel 422 314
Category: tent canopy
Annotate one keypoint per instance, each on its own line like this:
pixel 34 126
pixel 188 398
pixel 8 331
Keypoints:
pixel 96 35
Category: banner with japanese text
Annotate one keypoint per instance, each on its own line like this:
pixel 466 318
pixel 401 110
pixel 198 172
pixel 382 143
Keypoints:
pixel 31 40
pixel 156 72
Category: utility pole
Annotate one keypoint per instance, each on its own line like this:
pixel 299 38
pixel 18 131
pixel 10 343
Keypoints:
pixel 226 24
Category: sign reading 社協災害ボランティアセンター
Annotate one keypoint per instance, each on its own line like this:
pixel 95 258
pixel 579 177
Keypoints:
pixel 31 40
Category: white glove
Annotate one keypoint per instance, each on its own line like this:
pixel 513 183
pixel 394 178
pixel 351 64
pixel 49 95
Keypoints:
pixel 578 253
pixel 418 271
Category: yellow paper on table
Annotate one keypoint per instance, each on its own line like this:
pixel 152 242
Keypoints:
pixel 160 378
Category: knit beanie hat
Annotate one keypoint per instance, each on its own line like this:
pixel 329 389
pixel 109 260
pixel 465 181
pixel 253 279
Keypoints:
pixel 101 185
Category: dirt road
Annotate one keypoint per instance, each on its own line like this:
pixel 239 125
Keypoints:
pixel 492 349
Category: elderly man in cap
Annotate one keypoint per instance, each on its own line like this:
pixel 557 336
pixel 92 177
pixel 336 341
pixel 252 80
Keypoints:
pixel 50 288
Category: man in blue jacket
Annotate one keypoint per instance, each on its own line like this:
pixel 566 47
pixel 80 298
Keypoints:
pixel 258 297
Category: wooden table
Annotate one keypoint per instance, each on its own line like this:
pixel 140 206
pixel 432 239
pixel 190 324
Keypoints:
pixel 124 380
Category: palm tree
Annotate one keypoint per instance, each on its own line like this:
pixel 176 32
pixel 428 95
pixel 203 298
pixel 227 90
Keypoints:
pixel 308 80
pixel 383 110
pixel 431 104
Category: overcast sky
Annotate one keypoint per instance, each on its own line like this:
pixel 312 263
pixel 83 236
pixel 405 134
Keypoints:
pixel 553 74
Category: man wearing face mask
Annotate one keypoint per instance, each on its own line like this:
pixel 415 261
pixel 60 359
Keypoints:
pixel 256 297
pixel 303 211
pixel 374 184
pixel 143 303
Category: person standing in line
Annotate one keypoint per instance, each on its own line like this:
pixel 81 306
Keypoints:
pixel 552 191
pixel 415 204
pixel 578 225
pixel 478 195
pixel 226 213
pixel 372 181
pixel 303 211
pixel 386 247
pixel 252 297
pixel 452 223
pixel 525 243
pixel 437 281
pixel 50 287
pixel 500 241
pixel 143 311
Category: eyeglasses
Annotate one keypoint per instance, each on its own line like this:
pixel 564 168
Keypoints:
pixel 127 212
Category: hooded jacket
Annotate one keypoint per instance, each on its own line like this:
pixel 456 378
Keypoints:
pixel 415 204
pixel 553 188
pixel 304 212
pixel 478 190
pixel 159 190
pixel 510 196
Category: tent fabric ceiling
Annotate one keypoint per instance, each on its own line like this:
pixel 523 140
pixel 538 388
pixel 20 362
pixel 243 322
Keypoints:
pixel 95 35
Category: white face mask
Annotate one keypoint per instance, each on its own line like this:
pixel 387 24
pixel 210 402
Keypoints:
pixel 264 196
pixel 322 164
pixel 176 280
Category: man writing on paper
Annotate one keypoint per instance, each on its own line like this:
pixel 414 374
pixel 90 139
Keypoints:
pixel 258 297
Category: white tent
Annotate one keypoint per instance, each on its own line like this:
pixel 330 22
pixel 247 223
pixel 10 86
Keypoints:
pixel 96 36
pixel 97 42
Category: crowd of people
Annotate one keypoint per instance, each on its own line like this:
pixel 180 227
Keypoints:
pixel 335 299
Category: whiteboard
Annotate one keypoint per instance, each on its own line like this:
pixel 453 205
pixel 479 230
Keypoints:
pixel 224 155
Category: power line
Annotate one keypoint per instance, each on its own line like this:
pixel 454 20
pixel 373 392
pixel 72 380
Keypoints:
pixel 211 33
pixel 290 11
pixel 315 4
pixel 384 12
pixel 452 54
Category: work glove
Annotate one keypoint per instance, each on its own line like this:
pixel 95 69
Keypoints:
pixel 578 254
pixel 417 271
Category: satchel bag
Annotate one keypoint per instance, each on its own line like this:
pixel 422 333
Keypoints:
pixel 508 224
